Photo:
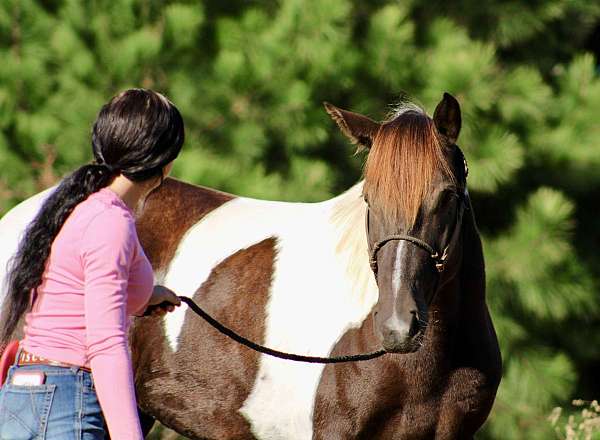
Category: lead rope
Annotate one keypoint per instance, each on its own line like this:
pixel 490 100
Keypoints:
pixel 276 353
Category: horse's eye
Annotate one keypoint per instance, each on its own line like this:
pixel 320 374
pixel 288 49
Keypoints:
pixel 447 195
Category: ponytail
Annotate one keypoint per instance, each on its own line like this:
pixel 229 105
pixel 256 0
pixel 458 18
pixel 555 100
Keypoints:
pixel 27 265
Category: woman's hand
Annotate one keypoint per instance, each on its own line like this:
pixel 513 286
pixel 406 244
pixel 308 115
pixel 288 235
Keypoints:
pixel 163 300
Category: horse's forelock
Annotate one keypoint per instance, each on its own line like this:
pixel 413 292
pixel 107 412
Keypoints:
pixel 405 157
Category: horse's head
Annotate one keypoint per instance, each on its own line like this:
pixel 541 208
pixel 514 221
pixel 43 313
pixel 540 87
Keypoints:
pixel 415 188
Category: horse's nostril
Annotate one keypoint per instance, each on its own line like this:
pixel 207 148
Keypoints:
pixel 393 335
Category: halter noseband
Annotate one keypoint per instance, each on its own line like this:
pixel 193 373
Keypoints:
pixel 439 260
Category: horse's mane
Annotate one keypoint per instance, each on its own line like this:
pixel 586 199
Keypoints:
pixel 405 157
pixel 348 219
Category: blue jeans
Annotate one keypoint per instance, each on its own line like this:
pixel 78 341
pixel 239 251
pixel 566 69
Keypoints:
pixel 65 407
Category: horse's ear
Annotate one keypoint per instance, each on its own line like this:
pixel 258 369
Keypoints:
pixel 358 128
pixel 447 117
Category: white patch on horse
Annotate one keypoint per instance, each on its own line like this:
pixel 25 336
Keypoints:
pixel 235 225
pixel 322 286
pixel 314 301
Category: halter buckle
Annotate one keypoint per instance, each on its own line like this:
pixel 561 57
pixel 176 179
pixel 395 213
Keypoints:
pixel 440 262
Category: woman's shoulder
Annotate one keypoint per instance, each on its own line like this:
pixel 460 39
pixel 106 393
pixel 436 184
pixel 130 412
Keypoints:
pixel 104 214
pixel 106 204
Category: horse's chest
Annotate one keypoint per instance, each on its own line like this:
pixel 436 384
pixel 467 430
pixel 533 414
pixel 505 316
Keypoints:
pixel 381 401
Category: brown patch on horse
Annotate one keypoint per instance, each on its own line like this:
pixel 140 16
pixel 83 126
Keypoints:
pixel 169 212
pixel 196 389
pixel 405 157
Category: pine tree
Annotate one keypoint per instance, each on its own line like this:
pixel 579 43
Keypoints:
pixel 249 78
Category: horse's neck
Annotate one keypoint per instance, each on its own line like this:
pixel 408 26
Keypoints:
pixel 477 330
pixel 473 267
pixel 466 332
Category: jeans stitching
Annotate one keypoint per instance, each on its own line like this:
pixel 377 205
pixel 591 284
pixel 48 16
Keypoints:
pixel 79 405
pixel 47 406
pixel 19 421
pixel 43 412
pixel 33 405
pixel 42 418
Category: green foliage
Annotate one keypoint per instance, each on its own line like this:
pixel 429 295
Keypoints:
pixel 249 78
pixel 535 263
pixel 525 417
pixel 182 24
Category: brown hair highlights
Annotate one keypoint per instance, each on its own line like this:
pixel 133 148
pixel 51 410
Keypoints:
pixel 402 163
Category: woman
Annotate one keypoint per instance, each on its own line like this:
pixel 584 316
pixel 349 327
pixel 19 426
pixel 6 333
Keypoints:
pixel 77 275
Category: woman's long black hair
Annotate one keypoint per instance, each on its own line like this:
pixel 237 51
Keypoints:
pixel 136 134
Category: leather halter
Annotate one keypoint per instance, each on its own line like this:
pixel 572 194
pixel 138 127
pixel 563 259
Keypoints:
pixel 438 258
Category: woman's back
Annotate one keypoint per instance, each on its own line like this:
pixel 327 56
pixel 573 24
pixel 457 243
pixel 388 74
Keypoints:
pixel 56 326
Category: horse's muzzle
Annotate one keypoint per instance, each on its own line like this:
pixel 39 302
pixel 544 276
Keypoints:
pixel 400 338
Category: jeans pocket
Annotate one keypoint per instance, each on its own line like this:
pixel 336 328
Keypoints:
pixel 24 411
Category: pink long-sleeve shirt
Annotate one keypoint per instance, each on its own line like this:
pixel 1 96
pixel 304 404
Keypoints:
pixel 96 276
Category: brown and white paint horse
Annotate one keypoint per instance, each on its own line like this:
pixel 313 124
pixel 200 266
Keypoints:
pixel 296 277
